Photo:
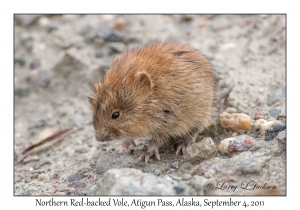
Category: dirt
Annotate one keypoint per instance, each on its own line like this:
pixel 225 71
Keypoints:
pixel 58 57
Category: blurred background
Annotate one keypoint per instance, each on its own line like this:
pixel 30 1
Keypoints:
pixel 58 57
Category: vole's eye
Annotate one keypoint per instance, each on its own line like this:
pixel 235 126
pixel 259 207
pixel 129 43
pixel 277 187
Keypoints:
pixel 115 115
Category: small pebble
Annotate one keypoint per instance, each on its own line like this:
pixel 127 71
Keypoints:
pixel 77 184
pixel 120 23
pixel 231 110
pixel 274 112
pixel 202 24
pixel 235 121
pixel 81 150
pixel 264 125
pixel 22 91
pixel 81 158
pixel 228 46
pixel 282 136
pixel 44 21
pixel 52 26
pixel 60 193
pixel 43 177
pixel 24 36
pixel 98 54
pixel 108 35
pixel 175 164
pixel 55 176
pixel 236 145
pixel 27 180
pixel 205 149
pixel 273 132
pixel 75 177
pixel 117 47
pixel 19 60
pixel 42 79
pixel 198 183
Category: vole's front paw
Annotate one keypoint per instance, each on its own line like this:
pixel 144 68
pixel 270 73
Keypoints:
pixel 185 143
pixel 152 150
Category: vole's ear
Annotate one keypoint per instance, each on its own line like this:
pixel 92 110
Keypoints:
pixel 144 80
pixel 96 88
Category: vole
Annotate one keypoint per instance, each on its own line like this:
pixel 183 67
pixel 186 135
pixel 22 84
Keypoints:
pixel 161 91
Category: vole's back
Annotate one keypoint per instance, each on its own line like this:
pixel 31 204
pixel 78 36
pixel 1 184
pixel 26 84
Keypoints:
pixel 183 86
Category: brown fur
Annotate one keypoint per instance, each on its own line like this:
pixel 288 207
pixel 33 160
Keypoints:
pixel 162 91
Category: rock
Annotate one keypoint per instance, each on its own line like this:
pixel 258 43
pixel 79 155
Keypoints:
pixel 217 24
pixel 277 94
pixel 199 184
pixel 98 54
pixel 178 190
pixel 44 22
pixel 39 164
pixel 81 150
pixel 77 184
pixel 231 110
pixel 228 46
pixel 240 164
pixel 27 40
pixel 250 163
pixel 24 36
pixel 43 177
pixel 75 177
pixel 264 125
pixel 274 112
pixel 72 60
pixel 273 132
pixel 134 182
pixel 236 145
pixel 113 160
pixel 119 23
pixel 60 193
pixel 42 79
pixel 186 177
pixel 117 47
pixel 52 26
pixel 26 193
pixel 202 150
pixel 150 168
pixel 281 136
pixel 81 158
pixel 94 189
pixel 108 35
pixel 235 121
pixel 55 175
pixel 27 180
pixel 26 20
pixel 19 59
pixel 22 91
pixel 175 164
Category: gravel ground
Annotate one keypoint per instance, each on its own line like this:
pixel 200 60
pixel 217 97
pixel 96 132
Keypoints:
pixel 58 57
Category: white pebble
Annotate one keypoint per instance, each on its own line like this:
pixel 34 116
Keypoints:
pixel 44 21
